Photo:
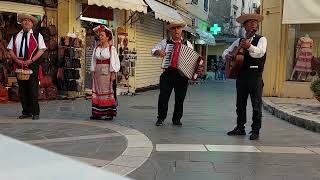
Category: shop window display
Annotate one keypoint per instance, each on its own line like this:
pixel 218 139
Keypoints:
pixel 303 52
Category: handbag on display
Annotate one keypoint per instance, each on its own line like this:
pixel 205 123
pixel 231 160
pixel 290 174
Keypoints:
pixel 13 93
pixel 51 92
pixel 77 43
pixel 60 74
pixel 42 94
pixel 4 96
pixel 52 30
pixel 45 33
pixel 77 54
pixel 46 81
pixel 53 45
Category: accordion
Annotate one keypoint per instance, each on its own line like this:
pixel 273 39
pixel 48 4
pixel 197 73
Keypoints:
pixel 188 61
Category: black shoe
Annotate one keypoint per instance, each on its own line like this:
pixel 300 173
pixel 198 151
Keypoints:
pixel 254 135
pixel 237 132
pixel 177 123
pixel 95 118
pixel 159 122
pixel 24 116
pixel 35 117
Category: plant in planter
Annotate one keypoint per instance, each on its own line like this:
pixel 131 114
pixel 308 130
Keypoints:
pixel 315 88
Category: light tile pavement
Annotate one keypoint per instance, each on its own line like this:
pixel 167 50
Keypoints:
pixel 180 147
pixel 301 112
pixel 235 148
pixel 131 159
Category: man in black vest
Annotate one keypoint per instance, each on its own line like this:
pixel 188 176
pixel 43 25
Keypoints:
pixel 171 78
pixel 249 80
pixel 26 47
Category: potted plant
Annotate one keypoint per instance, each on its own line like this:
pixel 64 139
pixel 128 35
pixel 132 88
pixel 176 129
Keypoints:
pixel 315 88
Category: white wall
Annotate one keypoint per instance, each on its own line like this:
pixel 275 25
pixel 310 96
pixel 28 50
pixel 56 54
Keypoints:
pixel 244 7
pixel 195 10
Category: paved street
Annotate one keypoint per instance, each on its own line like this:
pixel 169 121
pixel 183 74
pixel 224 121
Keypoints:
pixel 199 149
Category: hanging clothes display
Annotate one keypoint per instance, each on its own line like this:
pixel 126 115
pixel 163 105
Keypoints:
pixel 304 54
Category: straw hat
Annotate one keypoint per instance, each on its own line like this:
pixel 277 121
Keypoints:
pixel 21 17
pixel 176 24
pixel 242 19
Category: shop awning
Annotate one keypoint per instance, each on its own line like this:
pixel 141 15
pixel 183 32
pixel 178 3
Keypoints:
pixel 186 17
pixel 205 38
pixel 301 12
pixel 133 5
pixel 164 12
pixel 21 8
pixel 190 30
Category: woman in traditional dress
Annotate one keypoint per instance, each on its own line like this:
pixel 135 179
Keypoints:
pixel 104 65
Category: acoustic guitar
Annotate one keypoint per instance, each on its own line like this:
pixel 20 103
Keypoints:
pixel 234 65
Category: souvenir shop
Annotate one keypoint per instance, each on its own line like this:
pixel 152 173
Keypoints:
pixel 47 23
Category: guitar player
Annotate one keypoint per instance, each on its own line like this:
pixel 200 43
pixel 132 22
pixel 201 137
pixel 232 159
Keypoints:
pixel 249 79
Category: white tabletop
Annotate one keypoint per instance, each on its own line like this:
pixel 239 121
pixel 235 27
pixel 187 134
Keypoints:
pixel 21 161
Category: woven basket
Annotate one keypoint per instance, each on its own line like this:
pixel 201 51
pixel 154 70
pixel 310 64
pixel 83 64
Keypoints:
pixel 23 74
pixel 317 97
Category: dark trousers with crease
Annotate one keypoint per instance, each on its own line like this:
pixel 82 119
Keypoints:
pixel 249 83
pixel 29 92
pixel 171 79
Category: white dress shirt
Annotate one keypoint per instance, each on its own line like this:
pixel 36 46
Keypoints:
pixel 104 53
pixel 41 44
pixel 162 46
pixel 254 51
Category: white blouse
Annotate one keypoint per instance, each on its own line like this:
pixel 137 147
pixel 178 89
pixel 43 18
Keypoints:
pixel 104 53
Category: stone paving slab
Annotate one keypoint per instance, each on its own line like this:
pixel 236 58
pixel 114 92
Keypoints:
pixel 301 112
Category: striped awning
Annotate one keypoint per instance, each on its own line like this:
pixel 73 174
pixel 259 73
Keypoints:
pixel 164 12
pixel 133 5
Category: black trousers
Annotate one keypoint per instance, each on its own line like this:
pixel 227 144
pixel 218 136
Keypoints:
pixel 171 79
pixel 29 92
pixel 249 83
pixel 114 88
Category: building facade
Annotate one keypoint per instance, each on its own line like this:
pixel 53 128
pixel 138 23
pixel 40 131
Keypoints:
pixel 223 14
pixel 290 27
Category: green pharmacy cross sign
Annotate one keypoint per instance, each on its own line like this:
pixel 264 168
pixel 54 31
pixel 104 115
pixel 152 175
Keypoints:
pixel 215 29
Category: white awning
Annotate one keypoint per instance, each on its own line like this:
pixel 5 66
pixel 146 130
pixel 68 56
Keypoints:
pixel 133 5
pixel 301 12
pixel 21 8
pixel 164 12
pixel 190 30
pixel 205 38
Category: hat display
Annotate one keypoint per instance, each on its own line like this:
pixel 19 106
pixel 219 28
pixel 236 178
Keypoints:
pixel 253 16
pixel 176 24
pixel 21 17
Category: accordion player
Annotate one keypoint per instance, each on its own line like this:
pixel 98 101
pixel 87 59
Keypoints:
pixel 188 61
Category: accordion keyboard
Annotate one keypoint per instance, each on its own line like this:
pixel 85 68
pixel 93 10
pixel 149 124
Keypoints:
pixel 168 58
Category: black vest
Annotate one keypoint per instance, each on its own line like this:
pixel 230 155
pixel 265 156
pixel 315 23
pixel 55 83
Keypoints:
pixel 250 61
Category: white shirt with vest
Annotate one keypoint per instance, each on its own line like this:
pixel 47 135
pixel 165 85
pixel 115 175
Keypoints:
pixel 162 46
pixel 41 44
pixel 254 51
